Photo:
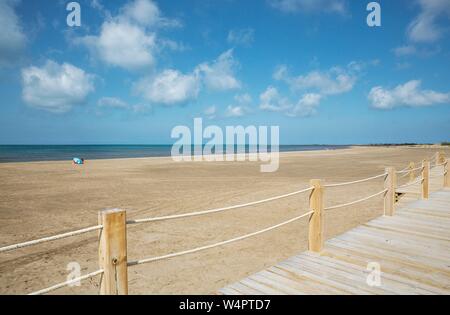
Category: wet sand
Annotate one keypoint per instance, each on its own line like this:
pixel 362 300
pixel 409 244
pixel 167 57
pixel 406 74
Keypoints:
pixel 45 198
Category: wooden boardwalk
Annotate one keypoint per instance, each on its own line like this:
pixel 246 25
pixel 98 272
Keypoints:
pixel 412 249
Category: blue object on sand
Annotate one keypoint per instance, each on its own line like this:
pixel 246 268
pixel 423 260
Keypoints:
pixel 78 161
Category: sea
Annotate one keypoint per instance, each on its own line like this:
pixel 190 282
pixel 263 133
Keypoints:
pixel 35 153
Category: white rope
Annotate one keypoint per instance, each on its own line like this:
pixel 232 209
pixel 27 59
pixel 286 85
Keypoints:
pixel 356 201
pixel 147 260
pixel 410 170
pixel 404 168
pixel 191 214
pixel 404 175
pixel 412 183
pixel 356 181
pixel 50 238
pixel 67 283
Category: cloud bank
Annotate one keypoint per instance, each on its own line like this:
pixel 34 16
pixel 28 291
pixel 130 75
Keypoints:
pixel 55 88
pixel 409 94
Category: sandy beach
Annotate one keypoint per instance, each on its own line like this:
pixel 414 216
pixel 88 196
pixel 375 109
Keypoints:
pixel 44 198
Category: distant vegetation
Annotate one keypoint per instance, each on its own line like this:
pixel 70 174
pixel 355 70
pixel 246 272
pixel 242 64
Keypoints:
pixel 396 144
pixel 445 143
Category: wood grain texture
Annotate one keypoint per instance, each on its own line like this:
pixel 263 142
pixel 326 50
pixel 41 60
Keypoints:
pixel 412 248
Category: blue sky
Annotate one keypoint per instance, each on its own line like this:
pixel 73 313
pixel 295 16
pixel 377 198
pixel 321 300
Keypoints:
pixel 136 69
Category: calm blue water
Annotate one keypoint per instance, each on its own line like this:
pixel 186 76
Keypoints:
pixel 29 153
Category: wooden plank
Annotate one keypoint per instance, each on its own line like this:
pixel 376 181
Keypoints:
pixel 412 248
pixel 406 231
pixel 277 284
pixel 402 246
pixel 390 282
pixel 245 290
pixel 265 289
pixel 229 291
pixel 349 276
pixel 309 286
pixel 432 279
pixel 401 240
pixel 314 275
pixel 410 225
pixel 406 212
pixel 429 265
pixel 324 275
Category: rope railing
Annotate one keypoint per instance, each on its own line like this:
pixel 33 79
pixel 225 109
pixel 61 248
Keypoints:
pixel 419 180
pixel 356 181
pixel 50 238
pixel 410 170
pixel 198 249
pixel 198 213
pixel 356 201
pixel 418 162
pixel 67 283
pixel 404 175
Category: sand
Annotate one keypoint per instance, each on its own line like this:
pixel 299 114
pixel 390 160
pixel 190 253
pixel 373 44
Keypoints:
pixel 45 198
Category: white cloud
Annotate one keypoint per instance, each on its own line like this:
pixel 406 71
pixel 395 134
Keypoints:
pixel 314 87
pixel 219 75
pixel 426 26
pixel 333 81
pixel 310 6
pixel 412 50
pixel 306 106
pixel 236 111
pixel 245 36
pixel 243 98
pixel 12 38
pixel 129 40
pixel 146 13
pixel 142 11
pixel 119 104
pixel 112 102
pixel 123 44
pixel 408 94
pixel 210 112
pixel 241 107
pixel 405 50
pixel 169 87
pixel 56 88
pixel 270 100
pixel 173 87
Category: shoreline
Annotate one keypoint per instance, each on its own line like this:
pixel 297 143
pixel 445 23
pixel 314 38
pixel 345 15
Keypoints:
pixel 281 153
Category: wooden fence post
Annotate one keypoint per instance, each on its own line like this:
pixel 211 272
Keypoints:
pixel 425 179
pixel 316 222
pixel 440 158
pixel 447 173
pixel 389 197
pixel 113 252
pixel 411 172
